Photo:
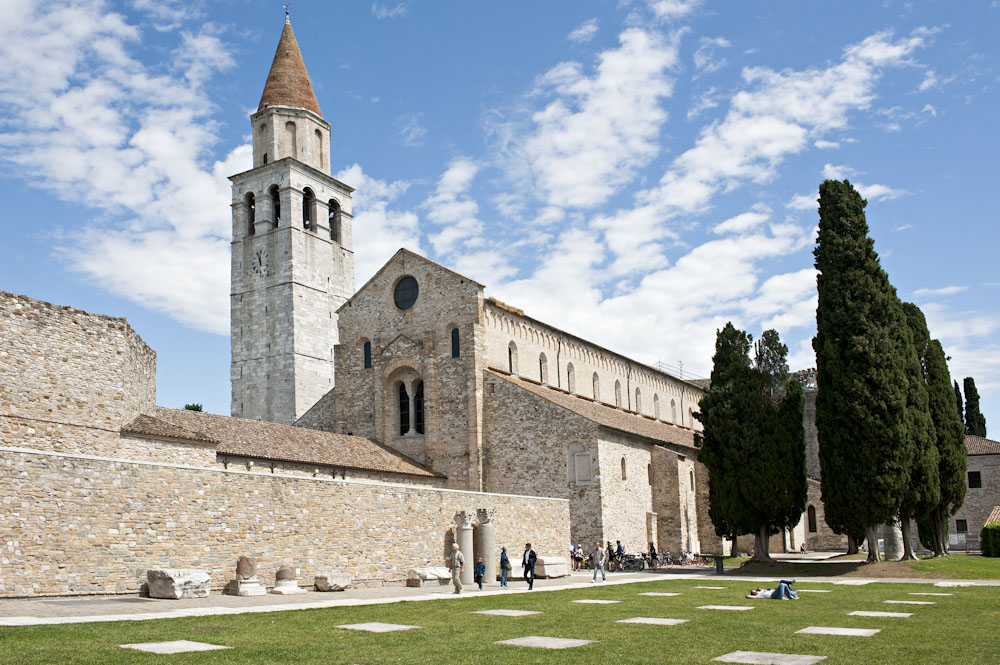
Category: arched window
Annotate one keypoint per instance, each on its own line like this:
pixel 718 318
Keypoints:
pixel 673 412
pixel 578 465
pixel 512 358
pixel 597 387
pixel 265 158
pixel 690 422
pixel 251 206
pixel 404 410
pixel 656 406
pixel 618 393
pixel 692 479
pixel 456 348
pixel 334 220
pixel 319 148
pixel 624 475
pixel 570 378
pixel 275 205
pixel 418 408
pixel 368 355
pixel 543 368
pixel 308 208
pixel 638 401
pixel 290 137
pixel 811 514
pixel 649 473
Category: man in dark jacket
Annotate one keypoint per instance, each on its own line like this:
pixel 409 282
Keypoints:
pixel 528 563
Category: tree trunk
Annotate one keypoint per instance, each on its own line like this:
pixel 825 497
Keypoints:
pixel 873 554
pixel 760 544
pixel 908 555
pixel 852 544
pixel 941 530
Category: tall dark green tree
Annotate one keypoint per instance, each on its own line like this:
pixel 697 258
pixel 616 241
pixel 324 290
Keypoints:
pixel 922 492
pixel 861 418
pixel 975 421
pixel 950 442
pixel 753 443
pixel 958 403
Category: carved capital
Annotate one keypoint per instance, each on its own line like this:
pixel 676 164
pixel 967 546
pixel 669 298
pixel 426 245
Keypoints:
pixel 486 515
pixel 463 519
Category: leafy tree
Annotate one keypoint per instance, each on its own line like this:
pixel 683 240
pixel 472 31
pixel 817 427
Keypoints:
pixel 950 442
pixel 753 443
pixel 193 407
pixel 861 417
pixel 922 493
pixel 975 421
pixel 958 403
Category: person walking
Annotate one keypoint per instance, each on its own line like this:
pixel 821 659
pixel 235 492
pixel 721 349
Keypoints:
pixel 652 555
pixel 504 566
pixel 456 562
pixel 528 564
pixel 599 555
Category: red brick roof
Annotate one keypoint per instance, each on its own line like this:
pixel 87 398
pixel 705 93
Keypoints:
pixel 261 440
pixel 288 81
pixel 607 415
pixel 977 445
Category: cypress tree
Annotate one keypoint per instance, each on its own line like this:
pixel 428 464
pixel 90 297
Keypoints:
pixel 950 442
pixel 922 492
pixel 861 401
pixel 975 421
pixel 753 441
pixel 958 403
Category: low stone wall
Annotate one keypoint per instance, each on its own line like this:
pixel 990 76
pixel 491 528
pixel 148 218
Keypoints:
pixel 76 524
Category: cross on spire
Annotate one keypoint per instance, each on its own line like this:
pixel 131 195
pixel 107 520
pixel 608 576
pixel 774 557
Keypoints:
pixel 288 20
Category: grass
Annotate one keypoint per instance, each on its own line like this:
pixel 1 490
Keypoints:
pixel 959 629
pixel 955 566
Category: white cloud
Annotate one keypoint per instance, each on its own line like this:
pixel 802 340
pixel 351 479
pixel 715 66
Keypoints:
pixel 671 10
pixel 452 210
pixel 804 202
pixel 870 192
pixel 409 130
pixel 903 227
pixel 707 100
pixel 89 122
pixel 825 145
pixel 379 231
pixel 943 291
pixel 930 81
pixel 744 222
pixel 584 32
pixel 705 58
pixel 385 11
pixel 600 129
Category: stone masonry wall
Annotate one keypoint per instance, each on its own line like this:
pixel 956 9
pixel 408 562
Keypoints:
pixel 626 502
pixel 61 365
pixel 979 502
pixel 78 524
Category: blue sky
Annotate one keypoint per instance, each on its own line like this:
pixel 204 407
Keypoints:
pixel 637 173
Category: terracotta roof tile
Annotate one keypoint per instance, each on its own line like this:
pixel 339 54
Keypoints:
pixel 288 81
pixel 977 445
pixel 271 441
pixel 607 415
pixel 146 425
pixel 994 516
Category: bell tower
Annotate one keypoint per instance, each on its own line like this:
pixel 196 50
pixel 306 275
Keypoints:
pixel 292 251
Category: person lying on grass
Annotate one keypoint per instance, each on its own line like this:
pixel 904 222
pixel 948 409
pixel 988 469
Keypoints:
pixel 783 592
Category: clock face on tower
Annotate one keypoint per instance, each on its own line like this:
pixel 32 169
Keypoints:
pixel 259 262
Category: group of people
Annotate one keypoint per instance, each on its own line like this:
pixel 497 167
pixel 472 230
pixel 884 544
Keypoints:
pixel 456 564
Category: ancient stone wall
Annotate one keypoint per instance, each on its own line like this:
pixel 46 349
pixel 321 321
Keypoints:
pixel 626 497
pixel 823 538
pixel 571 363
pixel 979 501
pixel 83 524
pixel 61 365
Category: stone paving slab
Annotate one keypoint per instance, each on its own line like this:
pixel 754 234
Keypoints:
pixel 852 582
pixel 910 602
pixel 929 593
pixel 506 613
pixel 764 658
pixel 827 630
pixel 711 587
pixel 176 646
pixel 812 591
pixel 891 615
pixel 658 593
pixel 595 601
pixel 735 608
pixel 377 626
pixel 655 621
pixel 540 642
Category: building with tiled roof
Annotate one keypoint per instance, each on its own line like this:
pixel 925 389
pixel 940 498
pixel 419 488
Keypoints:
pixel 982 494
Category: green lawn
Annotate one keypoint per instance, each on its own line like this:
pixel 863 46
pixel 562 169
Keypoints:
pixel 955 566
pixel 964 628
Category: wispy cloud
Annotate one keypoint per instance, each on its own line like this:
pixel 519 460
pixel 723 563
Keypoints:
pixel 409 130
pixel 706 59
pixel 584 32
pixel 672 10
pixel 385 11
pixel 942 291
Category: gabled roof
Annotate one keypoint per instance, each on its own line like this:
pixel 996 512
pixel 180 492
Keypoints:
pixel 977 445
pixel 241 437
pixel 994 516
pixel 605 414
pixel 288 81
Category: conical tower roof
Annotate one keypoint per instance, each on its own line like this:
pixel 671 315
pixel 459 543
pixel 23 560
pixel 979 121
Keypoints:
pixel 288 81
